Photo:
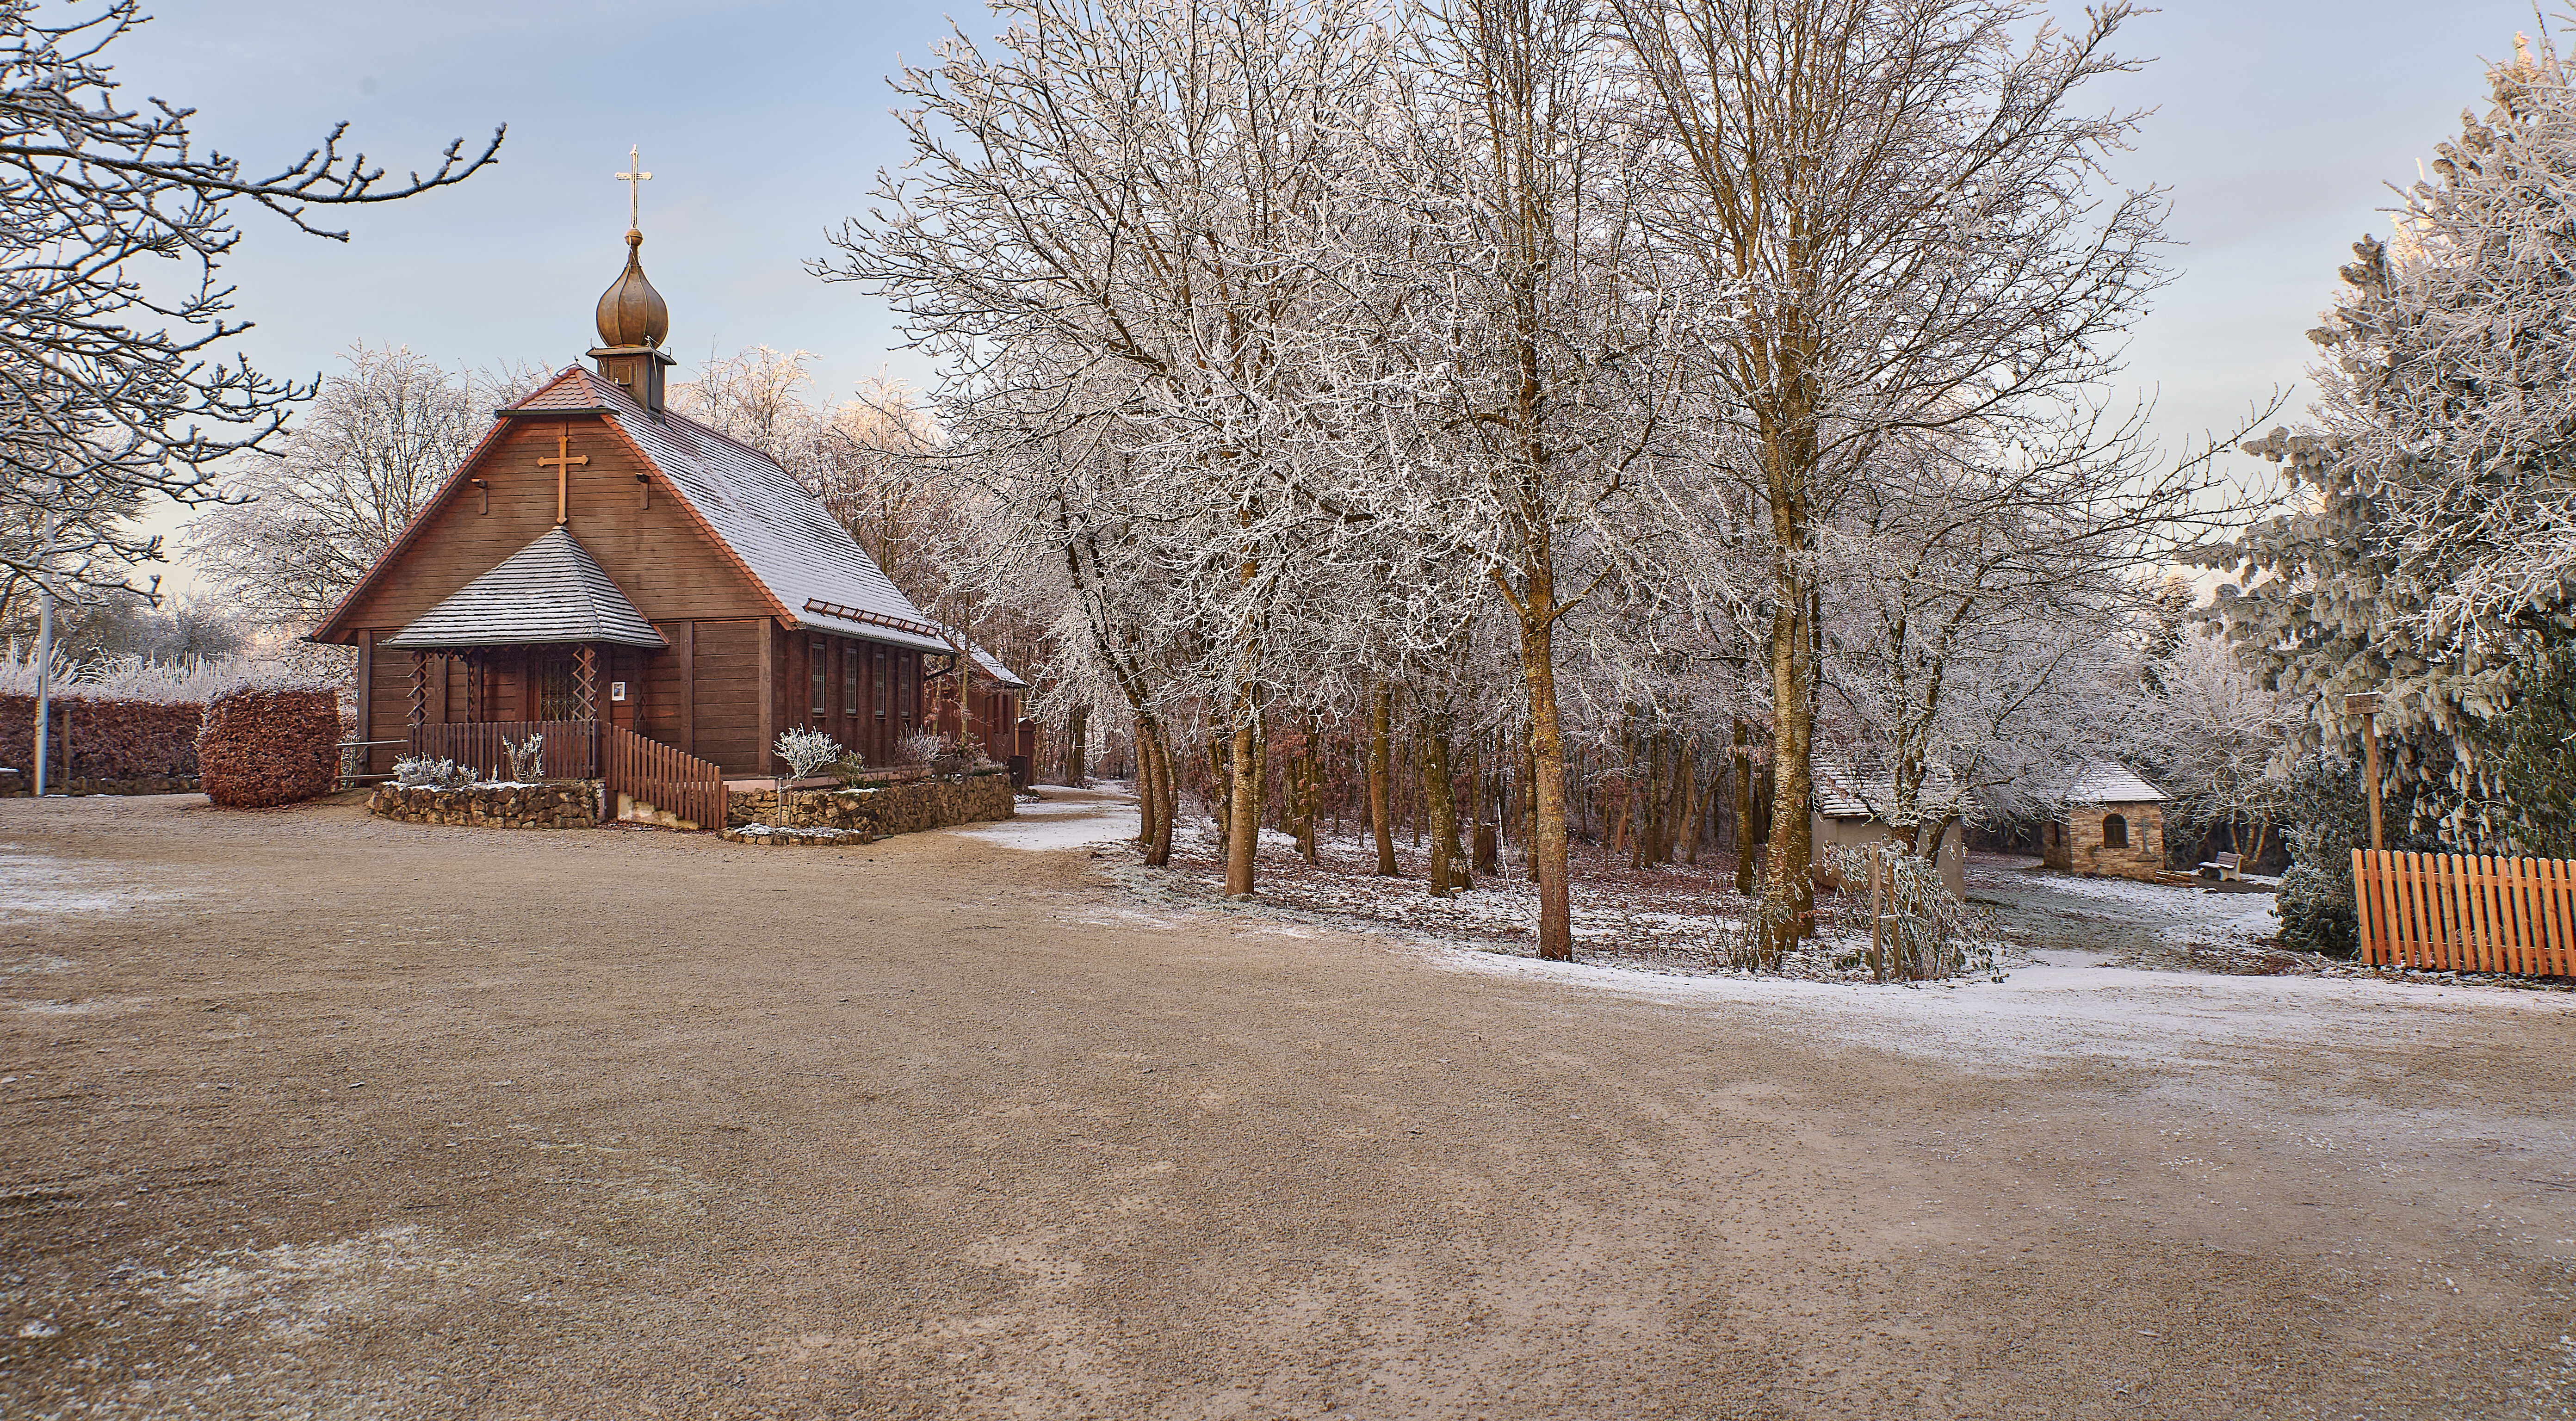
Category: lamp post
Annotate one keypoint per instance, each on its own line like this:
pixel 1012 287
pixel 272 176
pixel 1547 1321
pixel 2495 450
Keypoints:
pixel 44 655
pixel 2366 705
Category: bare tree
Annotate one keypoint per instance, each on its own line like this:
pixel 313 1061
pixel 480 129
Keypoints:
pixel 302 523
pixel 110 388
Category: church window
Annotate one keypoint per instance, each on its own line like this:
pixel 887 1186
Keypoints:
pixel 849 679
pixel 815 670
pixel 881 683
pixel 2115 832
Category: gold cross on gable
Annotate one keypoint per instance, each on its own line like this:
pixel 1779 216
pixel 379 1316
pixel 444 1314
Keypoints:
pixel 563 461
pixel 635 178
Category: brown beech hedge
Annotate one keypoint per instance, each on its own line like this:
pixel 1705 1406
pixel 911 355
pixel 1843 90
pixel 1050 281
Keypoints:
pixel 264 746
pixel 110 739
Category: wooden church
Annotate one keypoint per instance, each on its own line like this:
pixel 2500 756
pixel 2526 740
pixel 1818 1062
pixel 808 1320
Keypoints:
pixel 633 586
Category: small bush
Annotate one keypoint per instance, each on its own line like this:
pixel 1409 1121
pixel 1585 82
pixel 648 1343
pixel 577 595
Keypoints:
pixel 265 745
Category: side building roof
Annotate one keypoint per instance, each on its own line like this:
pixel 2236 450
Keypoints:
pixel 1841 792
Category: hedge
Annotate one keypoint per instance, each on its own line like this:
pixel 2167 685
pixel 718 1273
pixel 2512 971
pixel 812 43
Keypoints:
pixel 110 739
pixel 263 746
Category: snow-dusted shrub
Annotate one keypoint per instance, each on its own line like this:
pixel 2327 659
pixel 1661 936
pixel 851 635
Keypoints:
pixel 806 750
pixel 422 772
pixel 527 758
pixel 919 748
pixel 265 745
pixel 1923 932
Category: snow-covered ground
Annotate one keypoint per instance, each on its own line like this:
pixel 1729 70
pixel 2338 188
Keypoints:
pixel 1667 931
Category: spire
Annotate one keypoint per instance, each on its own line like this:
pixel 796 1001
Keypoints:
pixel 633 322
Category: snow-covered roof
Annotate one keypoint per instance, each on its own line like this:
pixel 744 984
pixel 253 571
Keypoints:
pixel 549 591
pixel 992 666
pixel 2110 782
pixel 779 532
pixel 1843 793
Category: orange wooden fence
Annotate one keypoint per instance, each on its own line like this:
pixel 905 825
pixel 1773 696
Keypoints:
pixel 663 776
pixel 571 746
pixel 2454 913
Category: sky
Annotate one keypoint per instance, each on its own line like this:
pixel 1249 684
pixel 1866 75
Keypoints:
pixel 2277 126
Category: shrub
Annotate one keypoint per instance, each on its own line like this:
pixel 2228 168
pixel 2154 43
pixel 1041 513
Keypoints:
pixel 110 739
pixel 265 745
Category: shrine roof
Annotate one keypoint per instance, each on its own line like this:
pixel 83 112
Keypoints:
pixel 2110 782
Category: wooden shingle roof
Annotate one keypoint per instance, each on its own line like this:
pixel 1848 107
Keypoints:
pixel 550 591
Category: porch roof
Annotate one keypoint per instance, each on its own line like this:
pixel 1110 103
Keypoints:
pixel 549 592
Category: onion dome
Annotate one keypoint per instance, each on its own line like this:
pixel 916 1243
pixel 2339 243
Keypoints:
pixel 631 312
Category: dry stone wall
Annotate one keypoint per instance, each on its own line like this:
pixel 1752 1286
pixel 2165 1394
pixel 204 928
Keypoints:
pixel 894 809
pixel 559 804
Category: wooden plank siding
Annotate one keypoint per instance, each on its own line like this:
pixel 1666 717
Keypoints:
pixel 725 696
pixel 657 556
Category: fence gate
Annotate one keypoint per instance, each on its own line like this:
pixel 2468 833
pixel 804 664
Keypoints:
pixel 643 771
pixel 2456 913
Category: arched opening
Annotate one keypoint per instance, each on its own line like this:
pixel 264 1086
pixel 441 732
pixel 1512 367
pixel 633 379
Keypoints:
pixel 2115 832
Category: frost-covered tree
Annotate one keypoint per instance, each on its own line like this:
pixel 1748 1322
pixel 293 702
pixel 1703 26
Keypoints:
pixel 303 522
pixel 1894 221
pixel 1116 229
pixel 2218 737
pixel 2428 550
pixel 113 228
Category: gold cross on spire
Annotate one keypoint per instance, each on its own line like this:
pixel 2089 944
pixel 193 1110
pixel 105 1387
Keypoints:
pixel 563 461
pixel 635 178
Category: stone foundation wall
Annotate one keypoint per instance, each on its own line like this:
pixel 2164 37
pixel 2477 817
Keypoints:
pixel 895 809
pixel 561 804
pixel 2075 843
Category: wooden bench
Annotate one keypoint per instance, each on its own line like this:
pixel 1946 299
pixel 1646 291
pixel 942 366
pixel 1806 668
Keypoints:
pixel 2226 868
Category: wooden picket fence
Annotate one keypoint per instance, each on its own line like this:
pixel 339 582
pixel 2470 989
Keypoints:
pixel 571 746
pixel 2453 913
pixel 663 776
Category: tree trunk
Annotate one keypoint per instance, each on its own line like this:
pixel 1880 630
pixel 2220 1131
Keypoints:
pixel 1149 801
pixel 1439 788
pixel 1167 788
pixel 1788 885
pixel 1381 710
pixel 1308 769
pixel 1243 808
pixel 1547 759
pixel 1077 725
pixel 1742 768
pixel 1221 788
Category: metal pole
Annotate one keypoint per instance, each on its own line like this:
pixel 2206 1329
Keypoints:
pixel 44 679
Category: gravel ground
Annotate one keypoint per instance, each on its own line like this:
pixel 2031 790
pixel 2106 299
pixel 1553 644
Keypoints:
pixel 313 1115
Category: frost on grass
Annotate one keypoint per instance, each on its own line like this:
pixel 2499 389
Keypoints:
pixel 39 885
pixel 297 1291
pixel 1673 918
